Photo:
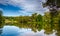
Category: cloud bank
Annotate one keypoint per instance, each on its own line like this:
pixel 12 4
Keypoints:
pixel 28 6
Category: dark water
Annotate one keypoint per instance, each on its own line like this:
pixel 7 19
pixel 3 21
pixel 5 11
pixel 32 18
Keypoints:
pixel 9 30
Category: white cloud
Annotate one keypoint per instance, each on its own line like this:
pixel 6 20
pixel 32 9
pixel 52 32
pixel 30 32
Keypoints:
pixel 31 33
pixel 27 5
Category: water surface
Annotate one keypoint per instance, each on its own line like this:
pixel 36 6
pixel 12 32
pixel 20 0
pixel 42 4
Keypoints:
pixel 9 30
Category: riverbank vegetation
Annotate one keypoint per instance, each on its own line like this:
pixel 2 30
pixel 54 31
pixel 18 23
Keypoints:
pixel 35 22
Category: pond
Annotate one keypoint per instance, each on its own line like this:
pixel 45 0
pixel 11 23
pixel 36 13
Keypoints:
pixel 10 30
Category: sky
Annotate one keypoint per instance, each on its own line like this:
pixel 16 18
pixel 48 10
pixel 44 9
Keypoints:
pixel 22 7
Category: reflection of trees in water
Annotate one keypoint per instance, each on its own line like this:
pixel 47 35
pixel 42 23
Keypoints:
pixel 1 22
pixel 0 31
pixel 1 26
pixel 48 29
pixel 58 29
pixel 34 27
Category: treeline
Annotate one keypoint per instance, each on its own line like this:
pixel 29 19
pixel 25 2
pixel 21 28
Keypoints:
pixel 35 18
pixel 36 21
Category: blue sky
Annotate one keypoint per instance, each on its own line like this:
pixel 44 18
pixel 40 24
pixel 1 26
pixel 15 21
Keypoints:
pixel 21 7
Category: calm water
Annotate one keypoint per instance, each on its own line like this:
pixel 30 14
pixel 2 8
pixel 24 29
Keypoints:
pixel 9 30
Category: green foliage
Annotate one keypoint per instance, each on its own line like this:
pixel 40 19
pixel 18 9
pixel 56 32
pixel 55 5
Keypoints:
pixel 52 2
pixel 51 23
pixel 53 6
pixel 1 17
pixel 52 19
pixel 39 18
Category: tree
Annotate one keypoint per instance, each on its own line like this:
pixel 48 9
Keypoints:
pixel 53 6
pixel 33 17
pixel 39 18
pixel 0 17
pixel 52 2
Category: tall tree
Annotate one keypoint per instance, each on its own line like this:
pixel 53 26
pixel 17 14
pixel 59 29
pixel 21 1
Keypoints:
pixel 53 6
pixel 0 17
pixel 34 17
